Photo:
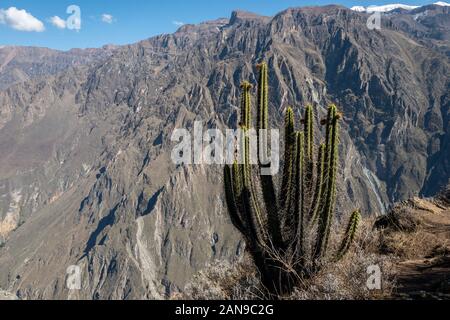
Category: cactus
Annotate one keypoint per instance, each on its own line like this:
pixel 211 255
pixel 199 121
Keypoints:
pixel 349 234
pixel 245 104
pixel 287 234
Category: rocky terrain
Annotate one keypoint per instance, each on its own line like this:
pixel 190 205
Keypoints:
pixel 85 171
pixel 21 64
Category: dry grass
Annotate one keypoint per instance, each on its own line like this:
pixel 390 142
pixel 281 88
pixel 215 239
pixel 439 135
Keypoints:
pixel 225 281
pixel 412 233
pixel 345 280
pixel 419 243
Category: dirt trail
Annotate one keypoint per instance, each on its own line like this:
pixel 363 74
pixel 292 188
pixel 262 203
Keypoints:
pixel 427 276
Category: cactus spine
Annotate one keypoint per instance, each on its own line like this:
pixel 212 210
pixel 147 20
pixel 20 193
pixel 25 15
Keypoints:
pixel 288 234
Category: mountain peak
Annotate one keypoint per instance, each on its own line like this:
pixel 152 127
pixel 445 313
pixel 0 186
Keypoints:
pixel 239 15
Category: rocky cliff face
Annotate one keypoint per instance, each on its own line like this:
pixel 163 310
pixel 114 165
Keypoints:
pixel 85 171
pixel 20 64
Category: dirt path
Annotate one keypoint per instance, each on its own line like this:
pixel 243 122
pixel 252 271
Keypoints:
pixel 428 277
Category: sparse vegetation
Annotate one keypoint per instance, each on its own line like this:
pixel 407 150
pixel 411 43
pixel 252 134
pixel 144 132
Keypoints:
pixel 225 281
pixel 287 232
pixel 343 280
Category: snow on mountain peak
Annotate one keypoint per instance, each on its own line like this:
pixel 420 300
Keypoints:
pixel 390 7
pixel 442 3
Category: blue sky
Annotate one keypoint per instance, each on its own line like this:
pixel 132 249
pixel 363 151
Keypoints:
pixel 127 21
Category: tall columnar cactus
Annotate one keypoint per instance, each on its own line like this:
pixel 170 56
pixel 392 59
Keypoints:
pixel 287 234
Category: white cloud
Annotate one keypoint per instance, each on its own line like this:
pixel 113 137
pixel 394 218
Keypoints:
pixel 58 22
pixel 107 18
pixel 178 23
pixel 20 20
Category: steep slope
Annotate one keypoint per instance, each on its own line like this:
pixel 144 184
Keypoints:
pixel 85 164
pixel 19 64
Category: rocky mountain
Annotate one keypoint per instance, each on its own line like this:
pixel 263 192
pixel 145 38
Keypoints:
pixel 20 64
pixel 86 176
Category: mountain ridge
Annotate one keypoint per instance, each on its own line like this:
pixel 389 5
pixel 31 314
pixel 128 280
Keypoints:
pixel 23 63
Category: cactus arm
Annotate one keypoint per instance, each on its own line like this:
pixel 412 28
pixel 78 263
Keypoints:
pixel 239 204
pixel 254 210
pixel 263 97
pixel 292 203
pixel 237 181
pixel 267 185
pixel 238 187
pixel 248 212
pixel 245 104
pixel 273 220
pixel 287 179
pixel 318 193
pixel 299 199
pixel 349 234
pixel 328 205
pixel 289 138
pixel 246 199
pixel 231 201
pixel 309 148
pixel 309 133
pixel 325 178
